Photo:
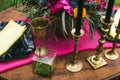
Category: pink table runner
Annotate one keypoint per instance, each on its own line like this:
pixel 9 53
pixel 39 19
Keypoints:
pixel 63 47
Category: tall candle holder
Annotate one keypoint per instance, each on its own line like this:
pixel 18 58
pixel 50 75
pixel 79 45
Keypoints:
pixel 113 54
pixel 75 65
pixel 96 60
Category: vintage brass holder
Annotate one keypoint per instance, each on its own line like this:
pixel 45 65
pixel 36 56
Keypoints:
pixel 97 61
pixel 39 28
pixel 75 65
pixel 113 54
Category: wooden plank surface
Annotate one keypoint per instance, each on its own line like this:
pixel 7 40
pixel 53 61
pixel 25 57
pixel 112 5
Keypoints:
pixel 111 70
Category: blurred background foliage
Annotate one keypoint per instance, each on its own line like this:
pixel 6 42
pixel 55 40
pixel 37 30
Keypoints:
pixel 7 3
pixel 117 2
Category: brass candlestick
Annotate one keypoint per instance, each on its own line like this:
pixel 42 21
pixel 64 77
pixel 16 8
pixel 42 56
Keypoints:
pixel 97 61
pixel 113 54
pixel 75 65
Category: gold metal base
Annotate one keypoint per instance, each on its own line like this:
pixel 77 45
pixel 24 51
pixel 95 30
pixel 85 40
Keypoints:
pixel 96 63
pixel 74 67
pixel 111 55
pixel 73 33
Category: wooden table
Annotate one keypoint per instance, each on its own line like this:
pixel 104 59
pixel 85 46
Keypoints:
pixel 111 70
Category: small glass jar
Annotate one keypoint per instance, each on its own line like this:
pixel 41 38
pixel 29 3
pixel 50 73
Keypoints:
pixel 44 65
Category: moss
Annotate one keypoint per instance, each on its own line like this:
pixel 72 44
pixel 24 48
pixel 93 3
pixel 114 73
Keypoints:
pixel 43 69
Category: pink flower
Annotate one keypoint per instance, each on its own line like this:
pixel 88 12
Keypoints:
pixel 59 5
pixel 103 4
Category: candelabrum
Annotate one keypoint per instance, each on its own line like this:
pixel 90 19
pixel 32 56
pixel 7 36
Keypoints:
pixel 113 54
pixel 96 60
pixel 75 65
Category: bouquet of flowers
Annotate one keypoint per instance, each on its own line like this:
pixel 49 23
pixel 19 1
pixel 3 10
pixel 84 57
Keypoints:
pixel 63 13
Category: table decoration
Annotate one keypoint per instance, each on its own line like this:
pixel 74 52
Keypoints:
pixel 96 60
pixel 79 17
pixel 44 64
pixel 40 28
pixel 112 33
pixel 75 65
pixel 113 54
pixel 61 13
pixel 64 48
pixel 109 11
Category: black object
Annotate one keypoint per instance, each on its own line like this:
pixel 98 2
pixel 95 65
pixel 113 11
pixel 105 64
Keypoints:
pixel 2 78
pixel 108 37
pixel 22 47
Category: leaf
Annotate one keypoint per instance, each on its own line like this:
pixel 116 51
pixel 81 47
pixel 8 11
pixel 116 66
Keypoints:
pixel 91 24
pixel 69 23
pixel 63 22
pixel 72 23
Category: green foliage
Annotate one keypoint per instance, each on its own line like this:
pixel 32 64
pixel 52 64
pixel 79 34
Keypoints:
pixel 43 69
pixel 33 9
pixel 62 20
pixel 117 2
pixel 93 17
pixel 5 4
pixel 67 21
pixel 94 21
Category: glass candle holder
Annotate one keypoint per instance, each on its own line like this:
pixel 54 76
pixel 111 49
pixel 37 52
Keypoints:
pixel 39 28
pixel 44 65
